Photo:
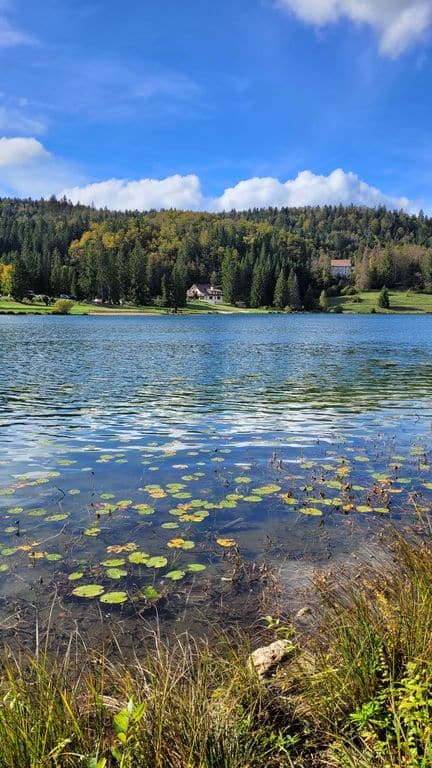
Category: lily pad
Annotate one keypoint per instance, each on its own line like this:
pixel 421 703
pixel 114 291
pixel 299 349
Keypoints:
pixel 89 590
pixel 175 575
pixel 226 542
pixel 156 562
pixel 116 573
pixel 138 558
pixel 196 567
pixel 75 576
pixel 114 598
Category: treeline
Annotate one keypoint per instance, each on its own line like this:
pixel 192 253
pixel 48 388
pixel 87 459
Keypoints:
pixel 268 257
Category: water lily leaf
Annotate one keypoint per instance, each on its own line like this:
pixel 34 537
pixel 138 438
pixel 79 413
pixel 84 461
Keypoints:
pixel 3 568
pixel 170 525
pixel 289 499
pixel 312 511
pixel 196 567
pixel 252 499
pixel 151 593
pixel 75 576
pixel 53 556
pixel 226 542
pixel 114 598
pixel 144 509
pixel 138 558
pixel 14 510
pixel 92 531
pixel 175 575
pixel 364 508
pixel 266 490
pixel 74 491
pixel 124 504
pixel 107 496
pixel 7 551
pixel 156 562
pixel 243 479
pixel 116 573
pixel 114 562
pixel 180 544
pixel 117 548
pixel 88 590
pixel 56 518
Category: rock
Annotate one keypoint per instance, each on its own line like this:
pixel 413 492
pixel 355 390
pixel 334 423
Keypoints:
pixel 263 659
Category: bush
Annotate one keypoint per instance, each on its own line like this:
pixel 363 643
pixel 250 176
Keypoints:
pixel 384 298
pixel 62 307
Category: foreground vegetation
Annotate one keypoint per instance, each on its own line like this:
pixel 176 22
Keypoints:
pixel 356 692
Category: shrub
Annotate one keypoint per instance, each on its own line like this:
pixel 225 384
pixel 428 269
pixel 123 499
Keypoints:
pixel 384 298
pixel 62 307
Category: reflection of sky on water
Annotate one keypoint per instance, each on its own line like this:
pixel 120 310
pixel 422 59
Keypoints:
pixel 75 380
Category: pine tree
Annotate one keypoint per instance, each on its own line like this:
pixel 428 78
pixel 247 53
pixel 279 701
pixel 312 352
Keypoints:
pixel 281 297
pixel 384 298
pixel 258 286
pixel 20 281
pixel 178 283
pixel 294 294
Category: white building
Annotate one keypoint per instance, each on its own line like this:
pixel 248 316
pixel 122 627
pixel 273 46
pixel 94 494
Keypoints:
pixel 205 292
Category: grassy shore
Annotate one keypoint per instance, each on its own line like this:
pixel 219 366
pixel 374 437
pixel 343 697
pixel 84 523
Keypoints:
pixel 400 301
pixel 355 693
pixel 84 308
pixel 406 302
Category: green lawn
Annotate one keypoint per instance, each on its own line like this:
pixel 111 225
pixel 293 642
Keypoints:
pixel 82 308
pixel 400 301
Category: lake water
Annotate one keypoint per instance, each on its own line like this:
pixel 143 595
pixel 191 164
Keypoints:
pixel 159 460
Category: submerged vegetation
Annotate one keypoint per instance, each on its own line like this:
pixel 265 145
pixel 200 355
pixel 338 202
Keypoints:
pixel 355 690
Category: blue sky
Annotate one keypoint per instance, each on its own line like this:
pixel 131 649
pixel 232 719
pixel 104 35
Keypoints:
pixel 217 105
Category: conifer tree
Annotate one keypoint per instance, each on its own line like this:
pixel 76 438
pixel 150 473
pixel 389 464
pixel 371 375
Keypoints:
pixel 281 297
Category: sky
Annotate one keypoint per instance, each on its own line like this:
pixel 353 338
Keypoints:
pixel 206 105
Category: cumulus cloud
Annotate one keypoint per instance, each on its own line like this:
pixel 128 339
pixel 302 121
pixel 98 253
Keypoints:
pixel 28 169
pixel 185 192
pixel 399 23
pixel 177 191
pixel 20 151
pixel 306 189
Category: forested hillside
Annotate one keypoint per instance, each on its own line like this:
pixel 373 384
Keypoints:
pixel 259 257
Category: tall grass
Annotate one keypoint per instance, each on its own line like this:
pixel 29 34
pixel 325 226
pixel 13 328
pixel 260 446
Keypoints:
pixel 359 694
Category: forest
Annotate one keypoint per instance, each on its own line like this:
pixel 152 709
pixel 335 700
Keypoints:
pixel 260 257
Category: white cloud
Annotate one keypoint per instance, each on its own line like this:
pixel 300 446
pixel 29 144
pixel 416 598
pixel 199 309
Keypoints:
pixel 399 23
pixel 185 192
pixel 177 191
pixel 20 151
pixel 28 169
pixel 306 189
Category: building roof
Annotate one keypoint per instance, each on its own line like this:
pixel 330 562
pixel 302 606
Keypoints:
pixel 204 288
pixel 341 263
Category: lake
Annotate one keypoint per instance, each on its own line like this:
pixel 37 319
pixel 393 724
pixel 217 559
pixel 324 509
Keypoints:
pixel 152 464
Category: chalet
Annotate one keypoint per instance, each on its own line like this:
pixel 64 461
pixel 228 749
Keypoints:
pixel 205 292
pixel 341 268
